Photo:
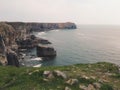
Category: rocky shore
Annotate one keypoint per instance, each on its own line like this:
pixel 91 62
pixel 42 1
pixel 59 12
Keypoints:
pixel 16 37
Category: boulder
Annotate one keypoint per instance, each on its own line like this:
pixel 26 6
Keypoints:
pixel 97 85
pixel 60 74
pixel 91 87
pixel 12 58
pixel 67 88
pixel 3 60
pixel 48 74
pixel 72 81
pixel 83 87
pixel 45 51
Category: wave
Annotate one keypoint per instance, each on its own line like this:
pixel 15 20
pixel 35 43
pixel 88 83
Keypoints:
pixel 41 33
pixel 39 65
pixel 36 59
pixel 55 30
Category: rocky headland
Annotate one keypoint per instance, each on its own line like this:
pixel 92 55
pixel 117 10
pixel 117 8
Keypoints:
pixel 31 27
pixel 16 36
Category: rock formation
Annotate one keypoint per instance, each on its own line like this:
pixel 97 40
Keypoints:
pixel 12 58
pixel 7 41
pixel 31 41
pixel 3 59
pixel 45 51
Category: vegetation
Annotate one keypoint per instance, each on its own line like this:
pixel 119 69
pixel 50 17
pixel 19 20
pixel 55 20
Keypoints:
pixel 27 78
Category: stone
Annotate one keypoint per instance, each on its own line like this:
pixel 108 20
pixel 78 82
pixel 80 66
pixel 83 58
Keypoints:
pixel 97 85
pixel 3 60
pixel 60 74
pixel 90 87
pixel 83 87
pixel 67 88
pixel 46 73
pixel 50 76
pixel 84 76
pixel 72 81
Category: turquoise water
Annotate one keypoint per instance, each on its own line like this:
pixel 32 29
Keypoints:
pixel 87 44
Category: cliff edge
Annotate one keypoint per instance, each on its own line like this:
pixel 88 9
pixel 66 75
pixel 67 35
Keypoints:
pixel 41 26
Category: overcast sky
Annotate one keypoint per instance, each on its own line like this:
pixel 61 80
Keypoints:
pixel 78 11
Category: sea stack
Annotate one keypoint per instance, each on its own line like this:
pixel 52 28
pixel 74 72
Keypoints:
pixel 45 51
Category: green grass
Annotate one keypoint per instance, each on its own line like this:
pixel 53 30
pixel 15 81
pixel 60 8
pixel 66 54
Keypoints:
pixel 107 74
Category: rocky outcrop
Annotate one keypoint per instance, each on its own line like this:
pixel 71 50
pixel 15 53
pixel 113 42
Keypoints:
pixel 45 51
pixel 12 58
pixel 30 27
pixel 7 41
pixel 31 41
pixel 3 60
pixel 8 34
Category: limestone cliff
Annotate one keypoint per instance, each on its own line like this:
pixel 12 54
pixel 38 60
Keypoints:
pixel 3 59
pixel 41 26
pixel 8 34
pixel 7 43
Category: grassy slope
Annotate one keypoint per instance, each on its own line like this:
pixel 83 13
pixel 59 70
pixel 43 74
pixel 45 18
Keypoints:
pixel 12 78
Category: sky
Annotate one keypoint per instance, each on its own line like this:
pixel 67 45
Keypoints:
pixel 78 11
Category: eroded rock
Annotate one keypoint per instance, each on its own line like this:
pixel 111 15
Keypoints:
pixel 3 59
pixel 45 51
pixel 60 74
pixel 83 87
pixel 67 88
pixel 91 87
pixel 48 74
pixel 12 58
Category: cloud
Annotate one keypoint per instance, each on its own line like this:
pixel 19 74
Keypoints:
pixel 80 11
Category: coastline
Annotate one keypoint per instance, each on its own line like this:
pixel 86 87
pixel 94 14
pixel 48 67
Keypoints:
pixel 20 34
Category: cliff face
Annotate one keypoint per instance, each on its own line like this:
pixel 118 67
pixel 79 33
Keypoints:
pixel 8 34
pixel 3 59
pixel 41 26
pixel 7 42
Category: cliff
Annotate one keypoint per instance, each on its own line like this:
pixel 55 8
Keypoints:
pixel 8 45
pixel 41 26
pixel 8 34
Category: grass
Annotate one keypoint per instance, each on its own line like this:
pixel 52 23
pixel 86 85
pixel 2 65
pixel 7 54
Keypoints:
pixel 24 78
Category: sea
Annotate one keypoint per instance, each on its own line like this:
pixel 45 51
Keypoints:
pixel 86 44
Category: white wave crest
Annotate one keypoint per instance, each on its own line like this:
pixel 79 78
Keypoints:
pixel 39 65
pixel 41 33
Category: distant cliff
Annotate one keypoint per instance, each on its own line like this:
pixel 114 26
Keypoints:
pixel 41 26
